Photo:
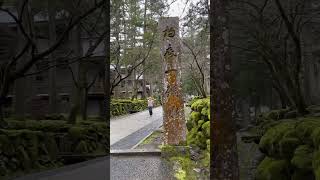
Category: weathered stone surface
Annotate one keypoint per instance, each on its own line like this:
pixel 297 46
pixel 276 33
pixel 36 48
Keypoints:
pixel 174 121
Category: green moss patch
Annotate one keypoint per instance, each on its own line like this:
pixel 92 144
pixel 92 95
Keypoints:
pixel 151 138
pixel 273 169
pixel 294 141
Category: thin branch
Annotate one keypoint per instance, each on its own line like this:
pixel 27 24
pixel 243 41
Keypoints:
pixel 72 24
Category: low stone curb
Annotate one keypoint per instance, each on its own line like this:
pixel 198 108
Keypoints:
pixel 135 152
pixel 133 147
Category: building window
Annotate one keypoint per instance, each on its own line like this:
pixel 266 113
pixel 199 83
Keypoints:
pixel 39 78
pixel 42 65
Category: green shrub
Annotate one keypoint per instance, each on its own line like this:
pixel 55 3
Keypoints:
pixel 124 106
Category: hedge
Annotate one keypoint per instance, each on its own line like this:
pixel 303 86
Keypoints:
pixel 124 106
pixel 34 145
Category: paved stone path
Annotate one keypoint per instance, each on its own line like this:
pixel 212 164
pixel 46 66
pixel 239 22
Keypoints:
pixel 96 169
pixel 127 131
pixel 139 168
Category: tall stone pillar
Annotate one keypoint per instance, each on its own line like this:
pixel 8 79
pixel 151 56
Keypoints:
pixel 173 105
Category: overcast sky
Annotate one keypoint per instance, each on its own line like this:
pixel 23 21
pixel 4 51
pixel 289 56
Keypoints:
pixel 180 7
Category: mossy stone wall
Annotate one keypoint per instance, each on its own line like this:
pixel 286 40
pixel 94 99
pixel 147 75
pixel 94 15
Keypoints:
pixel 34 145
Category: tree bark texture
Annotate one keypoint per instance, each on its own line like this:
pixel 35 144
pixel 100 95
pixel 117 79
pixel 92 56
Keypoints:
pixel 224 160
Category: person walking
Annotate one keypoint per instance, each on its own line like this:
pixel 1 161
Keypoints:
pixel 150 105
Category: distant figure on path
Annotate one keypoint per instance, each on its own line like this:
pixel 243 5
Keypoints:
pixel 150 105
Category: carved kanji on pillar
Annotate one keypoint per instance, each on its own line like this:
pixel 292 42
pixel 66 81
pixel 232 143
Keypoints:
pixel 173 119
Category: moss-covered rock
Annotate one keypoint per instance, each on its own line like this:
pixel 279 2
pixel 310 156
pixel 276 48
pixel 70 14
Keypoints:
pixel 276 114
pixel 269 143
pixel 305 128
pixel 206 129
pixel 199 123
pixel 287 146
pixel 189 125
pixel 315 136
pixel 272 169
pixel 195 116
pixel 208 144
pixel 302 158
pixel 316 164
pixel 300 175
pixel 296 142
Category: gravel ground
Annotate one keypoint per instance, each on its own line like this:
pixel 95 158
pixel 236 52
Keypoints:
pixel 139 168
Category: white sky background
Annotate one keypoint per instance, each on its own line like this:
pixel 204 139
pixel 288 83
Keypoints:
pixel 179 8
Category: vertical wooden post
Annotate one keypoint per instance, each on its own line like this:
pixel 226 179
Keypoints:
pixel 173 105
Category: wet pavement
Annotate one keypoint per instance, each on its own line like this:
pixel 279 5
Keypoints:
pixel 97 169
pixel 127 131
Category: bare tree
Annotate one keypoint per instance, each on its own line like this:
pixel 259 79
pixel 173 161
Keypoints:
pixel 11 72
pixel 200 68
pixel 138 61
pixel 274 34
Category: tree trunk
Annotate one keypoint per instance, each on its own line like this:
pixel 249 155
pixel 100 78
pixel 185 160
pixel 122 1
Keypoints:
pixel 3 94
pixel 144 88
pixel 75 92
pixel 284 97
pixel 21 85
pixel 85 104
pixel 82 89
pixel 299 99
pixel 135 85
pixel 53 70
pixel 106 84
pixel 72 119
pixel 224 160
pixel 3 123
